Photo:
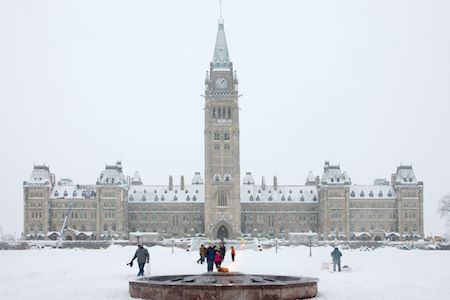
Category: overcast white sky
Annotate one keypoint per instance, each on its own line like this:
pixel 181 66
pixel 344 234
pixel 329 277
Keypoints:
pixel 362 83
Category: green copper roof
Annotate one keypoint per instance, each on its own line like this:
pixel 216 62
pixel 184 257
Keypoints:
pixel 221 58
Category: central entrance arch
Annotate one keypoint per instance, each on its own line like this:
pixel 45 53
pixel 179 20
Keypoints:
pixel 222 232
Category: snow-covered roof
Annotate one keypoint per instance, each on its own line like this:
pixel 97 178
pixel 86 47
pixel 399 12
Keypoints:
pixel 248 178
pixel 73 191
pixel 162 193
pixel 372 192
pixel 332 175
pixel 40 175
pixel 284 193
pixel 197 179
pixel 136 178
pixel 310 179
pixel 392 233
pixel 112 175
pixel 359 234
pixel 405 175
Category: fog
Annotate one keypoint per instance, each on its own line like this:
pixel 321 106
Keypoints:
pixel 364 84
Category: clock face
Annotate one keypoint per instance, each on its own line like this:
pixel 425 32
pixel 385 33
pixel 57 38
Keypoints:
pixel 221 83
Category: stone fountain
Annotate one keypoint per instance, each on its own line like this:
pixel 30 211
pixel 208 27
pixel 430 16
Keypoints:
pixel 221 286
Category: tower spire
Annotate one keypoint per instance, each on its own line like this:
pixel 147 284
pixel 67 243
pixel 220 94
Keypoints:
pixel 221 57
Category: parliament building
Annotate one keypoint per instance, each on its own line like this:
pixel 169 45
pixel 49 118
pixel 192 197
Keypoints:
pixel 223 203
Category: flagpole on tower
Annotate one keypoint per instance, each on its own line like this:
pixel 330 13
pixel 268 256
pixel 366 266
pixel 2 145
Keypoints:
pixel 220 5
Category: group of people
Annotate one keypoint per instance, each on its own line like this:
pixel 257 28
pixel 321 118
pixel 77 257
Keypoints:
pixel 214 255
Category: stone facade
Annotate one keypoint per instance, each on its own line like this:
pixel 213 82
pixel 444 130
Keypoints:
pixel 220 205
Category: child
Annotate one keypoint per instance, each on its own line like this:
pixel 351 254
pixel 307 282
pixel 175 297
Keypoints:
pixel 233 253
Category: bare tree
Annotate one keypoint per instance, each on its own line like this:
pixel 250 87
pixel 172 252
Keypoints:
pixel 444 209
pixel 444 206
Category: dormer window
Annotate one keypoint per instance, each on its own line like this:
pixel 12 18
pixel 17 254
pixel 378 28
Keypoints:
pixel 74 194
pixel 216 177
pixel 188 198
pixel 56 194
pixel 165 191
pixel 187 191
pixel 175 198
pixel 301 191
pixel 410 179
pixel 155 191
pixel 290 191
pixel 257 198
pixel 134 191
pixel 302 198
pixel 143 198
pixel 405 180
pixel 156 197
pixel 249 191
pixel 196 191
pixel 389 194
pixel 162 198
pixel 194 198
pixel 311 191
pixel 315 198
pixel 176 191
pixel 332 179
pixel 251 198
pixel 361 194
pixel 131 198
pixel 227 177
pixel 371 194
pixel 289 198
pixel 270 198
pixel 337 179
pixel 283 198
pixel 145 191
pixel 83 193
pixel 380 194
pixel 352 194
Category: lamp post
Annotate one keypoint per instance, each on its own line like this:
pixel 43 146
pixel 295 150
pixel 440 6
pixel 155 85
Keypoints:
pixel 310 242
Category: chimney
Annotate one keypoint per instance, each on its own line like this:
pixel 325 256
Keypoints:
pixel 170 183
pixel 263 183
pixel 182 183
pixel 275 183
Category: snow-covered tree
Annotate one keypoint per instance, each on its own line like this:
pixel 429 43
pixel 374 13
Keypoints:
pixel 444 208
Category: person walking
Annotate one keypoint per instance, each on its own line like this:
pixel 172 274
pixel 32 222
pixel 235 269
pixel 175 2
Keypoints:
pixel 210 257
pixel 222 250
pixel 233 253
pixel 143 257
pixel 336 255
pixel 202 252
pixel 217 258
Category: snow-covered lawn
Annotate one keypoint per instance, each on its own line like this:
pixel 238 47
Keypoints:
pixel 386 273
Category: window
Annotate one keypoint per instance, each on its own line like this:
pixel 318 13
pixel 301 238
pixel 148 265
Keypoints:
pixel 216 136
pixel 352 194
pixel 227 177
pixel 380 194
pixel 371 194
pixel 361 194
pixel 222 199
pixel 217 177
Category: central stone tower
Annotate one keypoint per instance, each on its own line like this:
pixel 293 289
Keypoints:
pixel 222 168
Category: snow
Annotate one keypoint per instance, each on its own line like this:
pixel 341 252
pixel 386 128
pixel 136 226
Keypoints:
pixel 385 273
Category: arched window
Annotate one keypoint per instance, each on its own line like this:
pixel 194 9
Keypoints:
pixel 105 227
pixel 222 199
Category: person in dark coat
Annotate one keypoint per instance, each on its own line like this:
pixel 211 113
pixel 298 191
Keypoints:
pixel 210 257
pixel 142 258
pixel 336 255
pixel 202 252
pixel 222 250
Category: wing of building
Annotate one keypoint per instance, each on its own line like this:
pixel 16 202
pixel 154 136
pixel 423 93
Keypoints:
pixel 220 205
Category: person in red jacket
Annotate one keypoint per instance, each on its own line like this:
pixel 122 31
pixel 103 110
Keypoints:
pixel 217 258
pixel 233 253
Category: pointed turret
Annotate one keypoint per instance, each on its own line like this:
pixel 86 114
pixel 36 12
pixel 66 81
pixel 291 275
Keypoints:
pixel 221 58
